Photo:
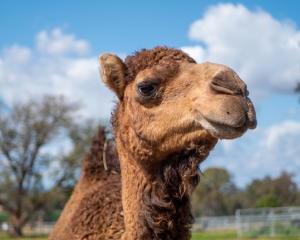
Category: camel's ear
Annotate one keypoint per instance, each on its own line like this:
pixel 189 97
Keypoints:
pixel 113 73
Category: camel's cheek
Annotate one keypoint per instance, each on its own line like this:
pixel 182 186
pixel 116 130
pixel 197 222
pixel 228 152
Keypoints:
pixel 163 121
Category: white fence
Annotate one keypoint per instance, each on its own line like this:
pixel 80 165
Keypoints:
pixel 256 222
pixel 271 222
pixel 32 228
pixel 214 223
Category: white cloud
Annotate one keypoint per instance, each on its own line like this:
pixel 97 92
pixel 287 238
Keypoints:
pixel 260 152
pixel 58 43
pixel 17 55
pixel 281 141
pixel 25 71
pixel 262 50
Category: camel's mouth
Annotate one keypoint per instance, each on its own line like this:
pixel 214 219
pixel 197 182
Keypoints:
pixel 219 130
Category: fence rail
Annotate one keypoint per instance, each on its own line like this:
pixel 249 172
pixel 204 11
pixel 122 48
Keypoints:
pixel 268 222
pixel 32 228
pixel 215 223
pixel 255 222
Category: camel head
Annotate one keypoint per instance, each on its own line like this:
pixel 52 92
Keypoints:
pixel 168 101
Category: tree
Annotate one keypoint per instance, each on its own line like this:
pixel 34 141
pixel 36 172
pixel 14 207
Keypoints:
pixel 68 165
pixel 210 196
pixel 297 89
pixel 297 200
pixel 266 201
pixel 25 130
pixel 283 188
pixel 255 190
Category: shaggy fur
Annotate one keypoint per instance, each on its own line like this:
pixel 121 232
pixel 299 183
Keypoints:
pixel 168 58
pixel 94 211
pixel 165 194
pixel 167 210
pixel 184 103
pixel 160 141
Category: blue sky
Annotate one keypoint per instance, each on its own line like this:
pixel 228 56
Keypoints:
pixel 53 47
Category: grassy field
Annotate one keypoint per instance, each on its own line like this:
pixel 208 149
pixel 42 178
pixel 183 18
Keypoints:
pixel 231 235
pixel 35 237
pixel 224 235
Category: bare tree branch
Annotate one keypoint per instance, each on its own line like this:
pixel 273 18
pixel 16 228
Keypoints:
pixel 6 206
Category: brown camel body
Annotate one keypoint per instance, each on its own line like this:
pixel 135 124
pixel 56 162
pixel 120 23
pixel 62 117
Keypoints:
pixel 94 210
pixel 171 113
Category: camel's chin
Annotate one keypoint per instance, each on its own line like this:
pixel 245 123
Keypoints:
pixel 222 131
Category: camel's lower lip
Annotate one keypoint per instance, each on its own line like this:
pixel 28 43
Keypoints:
pixel 227 132
pixel 219 130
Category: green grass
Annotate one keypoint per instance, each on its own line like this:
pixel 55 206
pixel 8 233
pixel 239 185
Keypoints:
pixel 220 235
pixel 214 235
pixel 4 236
pixel 231 235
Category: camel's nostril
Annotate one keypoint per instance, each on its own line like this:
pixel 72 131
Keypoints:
pixel 221 89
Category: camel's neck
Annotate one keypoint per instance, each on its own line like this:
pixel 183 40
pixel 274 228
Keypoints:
pixel 156 203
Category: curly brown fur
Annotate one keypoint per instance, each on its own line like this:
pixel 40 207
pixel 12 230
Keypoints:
pixel 145 59
pixel 167 210
pixel 94 210
pixel 100 213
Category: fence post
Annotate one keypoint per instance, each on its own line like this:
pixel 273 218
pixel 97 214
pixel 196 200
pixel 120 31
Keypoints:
pixel 238 223
pixel 40 221
pixel 272 229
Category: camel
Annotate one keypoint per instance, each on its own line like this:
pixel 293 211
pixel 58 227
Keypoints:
pixel 94 210
pixel 171 113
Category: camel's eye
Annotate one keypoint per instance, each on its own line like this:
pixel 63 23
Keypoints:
pixel 146 89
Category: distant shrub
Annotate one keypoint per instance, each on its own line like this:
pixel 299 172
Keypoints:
pixel 267 201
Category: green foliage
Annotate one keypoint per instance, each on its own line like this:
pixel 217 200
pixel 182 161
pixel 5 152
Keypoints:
pixel 216 194
pixel 267 201
pixel 4 217
pixel 297 200
pixel 55 215
pixel 283 188
pixel 209 198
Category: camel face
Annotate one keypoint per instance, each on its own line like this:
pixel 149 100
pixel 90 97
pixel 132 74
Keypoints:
pixel 172 103
pixel 201 97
